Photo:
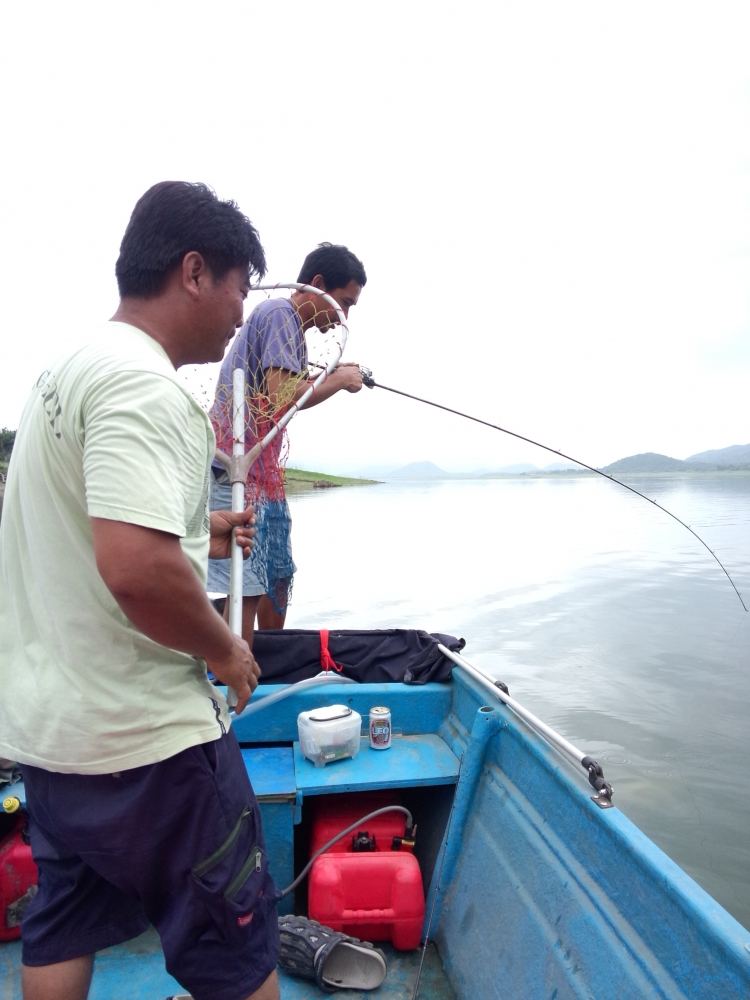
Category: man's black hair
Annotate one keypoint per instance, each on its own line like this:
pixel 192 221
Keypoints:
pixel 171 219
pixel 337 265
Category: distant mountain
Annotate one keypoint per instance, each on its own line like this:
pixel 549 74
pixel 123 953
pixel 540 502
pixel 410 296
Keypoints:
pixel 736 454
pixel 737 457
pixel 647 462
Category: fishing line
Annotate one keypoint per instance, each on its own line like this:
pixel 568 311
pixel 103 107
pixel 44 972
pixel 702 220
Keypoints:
pixel 370 382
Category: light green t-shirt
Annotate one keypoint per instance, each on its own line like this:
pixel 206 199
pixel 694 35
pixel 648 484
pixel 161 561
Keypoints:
pixel 108 432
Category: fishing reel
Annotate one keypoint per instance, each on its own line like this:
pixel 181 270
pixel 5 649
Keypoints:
pixel 367 378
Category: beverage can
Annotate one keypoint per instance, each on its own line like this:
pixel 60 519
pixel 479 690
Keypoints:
pixel 380 727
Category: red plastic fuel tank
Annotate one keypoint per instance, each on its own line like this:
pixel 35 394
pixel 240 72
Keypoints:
pixel 376 896
pixel 18 877
pixel 335 813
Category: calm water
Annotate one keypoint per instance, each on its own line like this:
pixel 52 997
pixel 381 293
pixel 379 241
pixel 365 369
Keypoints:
pixel 605 617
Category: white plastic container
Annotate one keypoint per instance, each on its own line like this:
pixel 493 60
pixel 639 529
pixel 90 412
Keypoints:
pixel 329 733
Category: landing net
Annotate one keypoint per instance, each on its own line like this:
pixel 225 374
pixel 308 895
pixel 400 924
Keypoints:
pixel 292 339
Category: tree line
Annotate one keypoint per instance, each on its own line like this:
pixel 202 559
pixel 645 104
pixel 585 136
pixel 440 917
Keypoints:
pixel 6 443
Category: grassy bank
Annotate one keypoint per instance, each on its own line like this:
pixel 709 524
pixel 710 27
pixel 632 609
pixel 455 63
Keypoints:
pixel 301 479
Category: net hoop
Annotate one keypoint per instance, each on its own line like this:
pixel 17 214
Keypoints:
pixel 238 464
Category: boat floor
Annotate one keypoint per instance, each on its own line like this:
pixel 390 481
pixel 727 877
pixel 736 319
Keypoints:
pixel 135 971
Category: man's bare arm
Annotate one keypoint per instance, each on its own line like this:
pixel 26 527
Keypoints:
pixel 156 587
pixel 285 388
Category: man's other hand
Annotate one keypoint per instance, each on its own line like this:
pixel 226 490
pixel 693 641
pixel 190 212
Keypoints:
pixel 239 671
pixel 222 524
pixel 349 375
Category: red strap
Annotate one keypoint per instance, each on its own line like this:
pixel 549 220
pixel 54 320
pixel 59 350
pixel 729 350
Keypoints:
pixel 327 662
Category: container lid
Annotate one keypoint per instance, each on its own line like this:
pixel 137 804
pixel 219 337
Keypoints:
pixel 329 712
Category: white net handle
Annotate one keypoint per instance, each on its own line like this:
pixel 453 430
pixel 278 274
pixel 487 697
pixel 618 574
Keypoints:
pixel 239 463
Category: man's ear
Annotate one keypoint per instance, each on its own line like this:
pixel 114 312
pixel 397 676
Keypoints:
pixel 318 282
pixel 194 271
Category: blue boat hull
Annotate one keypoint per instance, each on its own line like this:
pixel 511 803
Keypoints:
pixel 560 898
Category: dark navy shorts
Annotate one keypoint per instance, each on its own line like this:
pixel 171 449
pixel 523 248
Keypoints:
pixel 177 844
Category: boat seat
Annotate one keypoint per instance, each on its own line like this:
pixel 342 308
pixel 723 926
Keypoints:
pixel 410 761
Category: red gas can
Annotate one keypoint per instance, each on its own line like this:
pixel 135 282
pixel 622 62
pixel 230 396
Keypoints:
pixel 376 896
pixel 336 812
pixel 18 878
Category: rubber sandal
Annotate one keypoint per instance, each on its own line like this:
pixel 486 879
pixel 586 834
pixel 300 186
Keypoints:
pixel 335 961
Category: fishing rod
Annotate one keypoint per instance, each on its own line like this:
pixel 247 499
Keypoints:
pixel 370 382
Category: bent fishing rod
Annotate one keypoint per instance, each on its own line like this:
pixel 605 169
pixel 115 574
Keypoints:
pixel 370 382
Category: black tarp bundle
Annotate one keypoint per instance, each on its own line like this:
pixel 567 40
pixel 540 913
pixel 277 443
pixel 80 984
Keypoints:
pixel 411 656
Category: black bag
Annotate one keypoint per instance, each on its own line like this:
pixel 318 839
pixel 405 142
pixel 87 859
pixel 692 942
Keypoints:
pixel 371 656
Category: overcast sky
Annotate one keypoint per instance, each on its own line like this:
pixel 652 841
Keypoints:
pixel 552 202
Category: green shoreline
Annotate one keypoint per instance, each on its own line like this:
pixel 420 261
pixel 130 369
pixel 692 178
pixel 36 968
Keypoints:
pixel 300 479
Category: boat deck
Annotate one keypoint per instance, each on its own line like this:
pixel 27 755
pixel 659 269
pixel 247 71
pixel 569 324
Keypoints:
pixel 135 971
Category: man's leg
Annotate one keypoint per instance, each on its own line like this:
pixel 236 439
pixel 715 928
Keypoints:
pixel 249 610
pixel 69 980
pixel 268 991
pixel 77 911
pixel 207 947
pixel 272 607
pixel 268 614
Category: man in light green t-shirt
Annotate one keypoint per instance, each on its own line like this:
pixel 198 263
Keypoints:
pixel 106 631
